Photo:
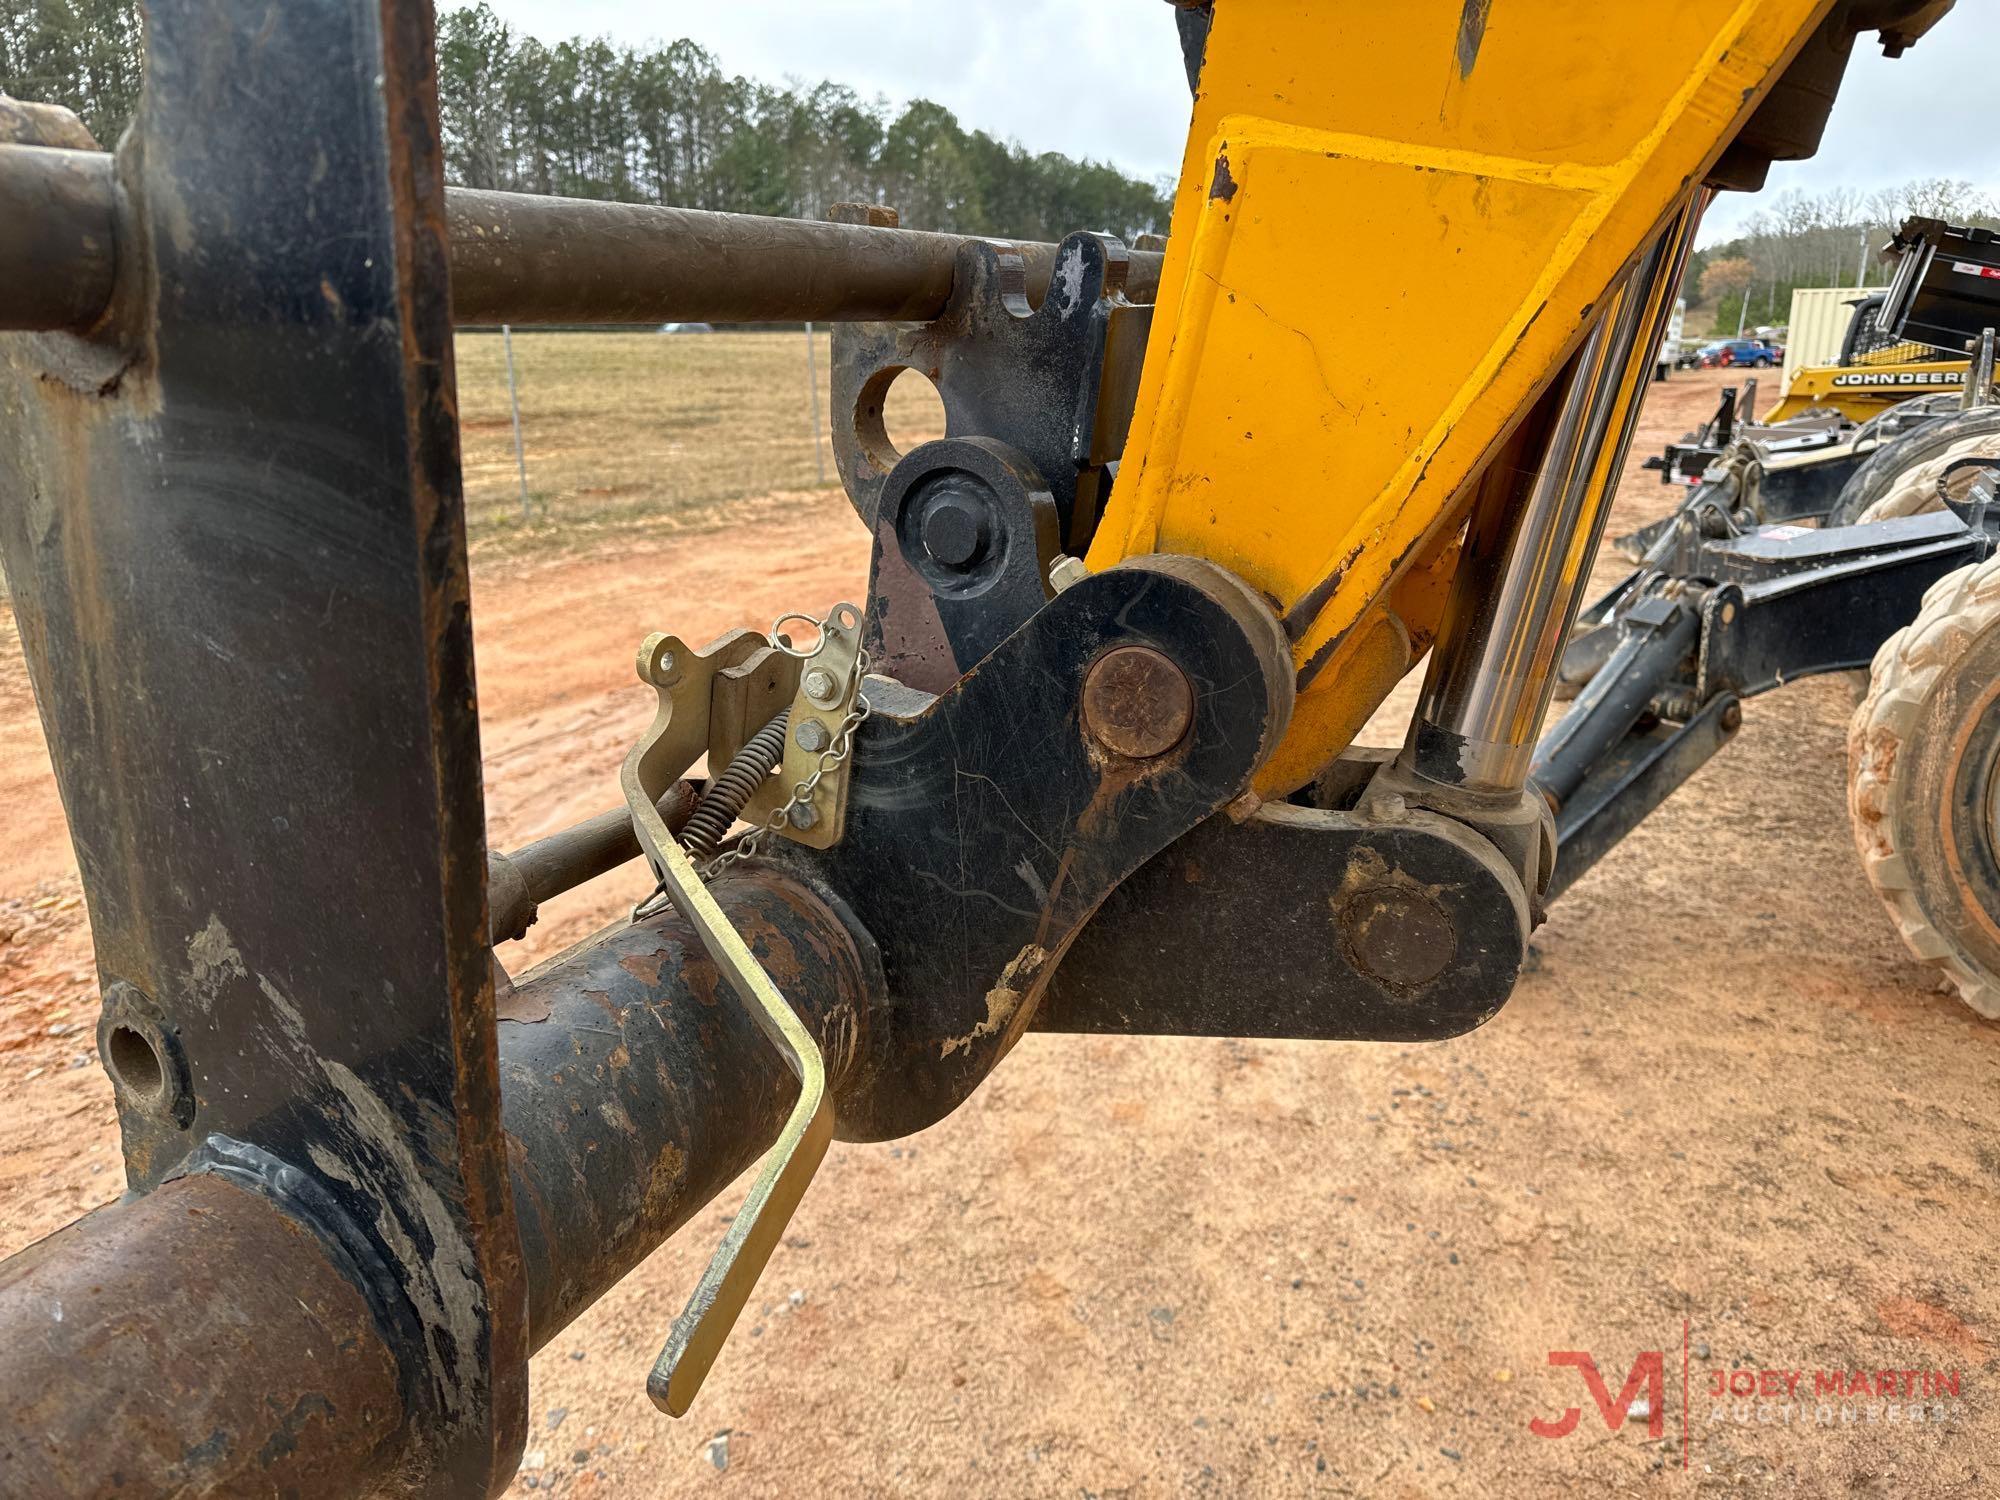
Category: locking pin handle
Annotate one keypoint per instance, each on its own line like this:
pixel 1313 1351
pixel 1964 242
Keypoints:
pixel 678 735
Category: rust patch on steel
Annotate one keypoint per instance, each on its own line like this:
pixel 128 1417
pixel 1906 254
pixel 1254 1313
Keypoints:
pixel 1136 702
pixel 522 1010
pixel 644 967
pixel 118 1325
pixel 627 1131
pixel 698 977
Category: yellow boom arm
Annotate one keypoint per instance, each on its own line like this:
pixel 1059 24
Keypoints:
pixel 1393 225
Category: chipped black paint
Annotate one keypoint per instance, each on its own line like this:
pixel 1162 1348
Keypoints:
pixel 241 575
pixel 639 1098
pixel 984 826
pixel 1193 19
pixel 1222 186
pixel 1471 33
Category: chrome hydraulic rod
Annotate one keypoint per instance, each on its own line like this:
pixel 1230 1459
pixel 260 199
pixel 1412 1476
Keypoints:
pixel 1528 555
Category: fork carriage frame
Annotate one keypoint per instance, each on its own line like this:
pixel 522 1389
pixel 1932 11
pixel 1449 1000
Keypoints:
pixel 231 520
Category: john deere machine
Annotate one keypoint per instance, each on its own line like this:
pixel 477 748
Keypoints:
pixel 1876 366
pixel 1805 545
pixel 1080 760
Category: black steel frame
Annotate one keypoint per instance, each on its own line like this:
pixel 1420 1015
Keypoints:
pixel 1669 653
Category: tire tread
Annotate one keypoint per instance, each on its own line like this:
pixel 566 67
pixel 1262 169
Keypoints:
pixel 1956 611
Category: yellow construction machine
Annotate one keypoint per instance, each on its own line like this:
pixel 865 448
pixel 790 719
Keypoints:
pixel 1081 760
pixel 1874 368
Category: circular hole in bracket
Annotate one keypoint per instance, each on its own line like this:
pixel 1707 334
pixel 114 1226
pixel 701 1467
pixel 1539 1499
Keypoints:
pixel 899 409
pixel 142 1056
pixel 136 1066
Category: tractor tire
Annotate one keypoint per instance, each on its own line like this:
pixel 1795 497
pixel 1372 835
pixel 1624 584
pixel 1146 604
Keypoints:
pixel 1861 337
pixel 1923 758
pixel 1905 415
pixel 1900 477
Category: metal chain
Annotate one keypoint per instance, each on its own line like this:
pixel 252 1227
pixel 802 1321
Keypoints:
pixel 802 793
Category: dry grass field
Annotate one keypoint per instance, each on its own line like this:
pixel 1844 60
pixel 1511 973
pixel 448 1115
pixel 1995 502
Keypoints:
pixel 627 427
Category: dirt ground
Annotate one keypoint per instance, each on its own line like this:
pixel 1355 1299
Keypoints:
pixel 1724 1120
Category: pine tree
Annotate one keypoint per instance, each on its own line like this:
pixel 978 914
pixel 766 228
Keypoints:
pixel 587 119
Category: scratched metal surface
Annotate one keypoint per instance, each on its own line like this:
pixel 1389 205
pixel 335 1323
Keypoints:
pixel 986 825
pixel 236 548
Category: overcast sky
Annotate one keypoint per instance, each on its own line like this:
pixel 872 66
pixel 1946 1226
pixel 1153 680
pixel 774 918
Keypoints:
pixel 1103 78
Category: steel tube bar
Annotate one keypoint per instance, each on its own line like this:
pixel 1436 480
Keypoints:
pixel 58 254
pixel 206 1343
pixel 650 1088
pixel 1528 557
pixel 522 259
pixel 194 1341
pixel 519 882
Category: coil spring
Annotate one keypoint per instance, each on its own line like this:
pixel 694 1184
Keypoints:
pixel 716 813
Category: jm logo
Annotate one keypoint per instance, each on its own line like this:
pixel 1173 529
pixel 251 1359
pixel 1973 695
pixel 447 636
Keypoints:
pixel 1649 1373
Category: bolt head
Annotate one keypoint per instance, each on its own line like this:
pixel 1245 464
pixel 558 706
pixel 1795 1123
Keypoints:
pixel 1066 572
pixel 1136 702
pixel 803 815
pixel 812 736
pixel 1397 936
pixel 955 532
pixel 820 685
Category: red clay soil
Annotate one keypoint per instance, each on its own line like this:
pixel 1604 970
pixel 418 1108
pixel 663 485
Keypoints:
pixel 1725 1123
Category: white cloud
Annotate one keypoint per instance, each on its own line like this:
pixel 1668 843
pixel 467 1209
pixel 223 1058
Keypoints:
pixel 1919 115
pixel 1098 78
pixel 1103 78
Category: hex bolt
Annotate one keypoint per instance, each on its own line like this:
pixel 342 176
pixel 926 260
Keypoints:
pixel 1066 572
pixel 1136 702
pixel 820 685
pixel 803 815
pixel 812 736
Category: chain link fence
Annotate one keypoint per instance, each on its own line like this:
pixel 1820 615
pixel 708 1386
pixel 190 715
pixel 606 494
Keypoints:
pixel 563 432
pixel 598 430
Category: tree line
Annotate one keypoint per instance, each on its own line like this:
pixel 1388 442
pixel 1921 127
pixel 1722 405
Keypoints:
pixel 1832 238
pixel 588 119
pixel 83 54
pixel 585 118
